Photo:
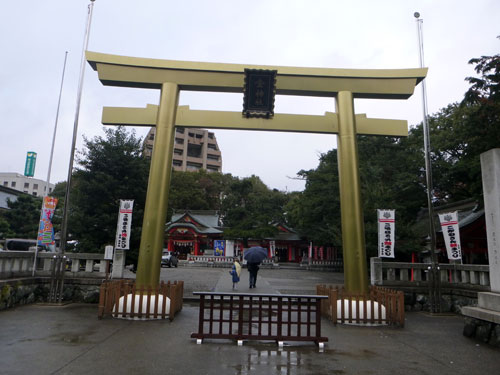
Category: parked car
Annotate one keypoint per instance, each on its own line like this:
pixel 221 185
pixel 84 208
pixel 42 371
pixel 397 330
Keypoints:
pixel 168 259
pixel 23 244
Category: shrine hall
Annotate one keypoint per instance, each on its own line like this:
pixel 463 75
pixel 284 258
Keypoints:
pixel 200 232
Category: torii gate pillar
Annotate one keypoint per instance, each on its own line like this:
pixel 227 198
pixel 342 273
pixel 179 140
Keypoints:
pixel 353 232
pixel 155 210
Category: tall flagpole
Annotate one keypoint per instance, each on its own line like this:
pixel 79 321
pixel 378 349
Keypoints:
pixel 434 269
pixel 46 192
pixel 64 226
pixel 47 183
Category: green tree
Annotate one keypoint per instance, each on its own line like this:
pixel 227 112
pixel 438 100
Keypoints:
pixel 315 212
pixel 391 178
pixel 200 190
pixel 110 168
pixel 459 133
pixel 250 208
pixel 482 103
pixel 4 227
pixel 390 174
pixel 23 216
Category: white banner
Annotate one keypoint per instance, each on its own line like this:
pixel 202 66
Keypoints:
pixel 272 246
pixel 451 234
pixel 108 252
pixel 124 223
pixel 386 229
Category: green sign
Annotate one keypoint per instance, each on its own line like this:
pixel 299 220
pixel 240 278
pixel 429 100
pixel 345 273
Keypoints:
pixel 29 168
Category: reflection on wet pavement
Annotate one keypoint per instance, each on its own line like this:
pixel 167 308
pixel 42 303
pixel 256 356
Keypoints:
pixel 289 361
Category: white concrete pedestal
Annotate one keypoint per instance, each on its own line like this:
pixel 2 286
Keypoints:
pixel 123 314
pixel 361 313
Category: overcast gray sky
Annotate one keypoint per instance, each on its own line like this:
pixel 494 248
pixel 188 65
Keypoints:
pixel 363 34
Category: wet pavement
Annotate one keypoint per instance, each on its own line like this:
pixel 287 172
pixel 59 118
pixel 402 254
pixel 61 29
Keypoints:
pixel 38 339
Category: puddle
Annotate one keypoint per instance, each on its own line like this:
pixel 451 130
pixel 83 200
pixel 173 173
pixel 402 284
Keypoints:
pixel 291 360
pixel 72 338
pixel 360 354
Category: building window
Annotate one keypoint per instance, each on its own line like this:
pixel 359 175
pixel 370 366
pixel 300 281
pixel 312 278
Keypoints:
pixel 211 135
pixel 13 184
pixel 152 137
pixel 26 185
pixel 213 157
pixel 194 150
pixel 179 130
pixel 177 163
pixel 6 183
pixel 212 146
pixel 35 186
pixel 193 166
pixel 177 151
pixel 179 141
pixel 34 193
pixel 212 168
pixel 199 136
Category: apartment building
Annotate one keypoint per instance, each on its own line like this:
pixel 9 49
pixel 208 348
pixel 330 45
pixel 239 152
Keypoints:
pixel 194 149
pixel 25 184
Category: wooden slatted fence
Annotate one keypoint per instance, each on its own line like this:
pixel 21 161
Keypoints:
pixel 155 306
pixel 245 316
pixel 351 304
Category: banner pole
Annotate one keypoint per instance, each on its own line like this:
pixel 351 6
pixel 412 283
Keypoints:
pixel 47 183
pixel 435 292
pixel 64 225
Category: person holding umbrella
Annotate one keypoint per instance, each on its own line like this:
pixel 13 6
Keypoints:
pixel 254 256
pixel 253 268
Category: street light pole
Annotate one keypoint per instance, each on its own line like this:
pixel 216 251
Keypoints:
pixel 434 294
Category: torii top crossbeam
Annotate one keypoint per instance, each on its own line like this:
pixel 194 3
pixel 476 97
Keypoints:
pixel 138 72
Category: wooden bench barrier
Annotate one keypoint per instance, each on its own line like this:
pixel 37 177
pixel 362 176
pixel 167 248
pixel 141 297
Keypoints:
pixel 392 300
pixel 111 292
pixel 245 316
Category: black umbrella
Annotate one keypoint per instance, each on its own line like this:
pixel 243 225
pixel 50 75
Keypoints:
pixel 255 254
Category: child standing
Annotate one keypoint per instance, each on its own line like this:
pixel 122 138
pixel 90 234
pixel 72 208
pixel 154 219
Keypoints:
pixel 235 272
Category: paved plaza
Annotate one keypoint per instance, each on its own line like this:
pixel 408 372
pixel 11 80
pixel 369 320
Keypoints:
pixel 69 339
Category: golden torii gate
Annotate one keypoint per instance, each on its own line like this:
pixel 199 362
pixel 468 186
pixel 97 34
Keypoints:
pixel 171 76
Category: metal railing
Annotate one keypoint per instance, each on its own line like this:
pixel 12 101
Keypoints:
pixel 222 261
pixel 244 316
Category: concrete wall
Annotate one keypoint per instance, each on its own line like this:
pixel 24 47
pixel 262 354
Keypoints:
pixel 36 290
